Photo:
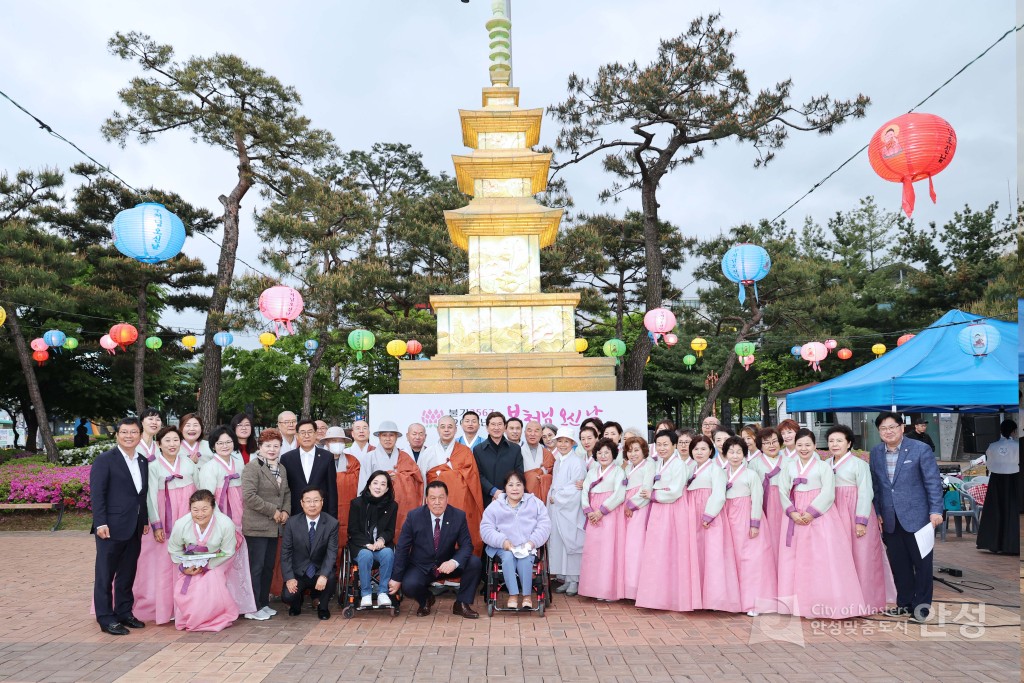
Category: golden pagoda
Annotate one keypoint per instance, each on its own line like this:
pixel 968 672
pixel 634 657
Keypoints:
pixel 505 335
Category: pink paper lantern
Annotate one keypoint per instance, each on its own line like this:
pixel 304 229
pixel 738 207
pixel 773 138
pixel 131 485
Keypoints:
pixel 904 339
pixel 108 343
pixel 671 340
pixel 413 347
pixel 747 361
pixel 282 304
pixel 659 320
pixel 39 344
pixel 814 353
pixel 831 344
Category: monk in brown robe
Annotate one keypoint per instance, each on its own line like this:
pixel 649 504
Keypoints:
pixel 346 467
pixel 405 475
pixel 537 461
pixel 453 463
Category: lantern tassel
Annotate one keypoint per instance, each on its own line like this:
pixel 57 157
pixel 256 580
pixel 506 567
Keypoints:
pixel 756 298
pixel 908 197
pixel 288 326
pixel 359 355
pixel 931 190
pixel 743 294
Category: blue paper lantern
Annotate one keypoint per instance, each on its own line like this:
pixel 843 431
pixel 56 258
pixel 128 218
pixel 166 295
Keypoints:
pixel 311 346
pixel 795 351
pixel 55 338
pixel 978 339
pixel 745 264
pixel 223 338
pixel 148 233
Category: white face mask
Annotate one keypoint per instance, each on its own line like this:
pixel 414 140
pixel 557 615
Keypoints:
pixel 336 448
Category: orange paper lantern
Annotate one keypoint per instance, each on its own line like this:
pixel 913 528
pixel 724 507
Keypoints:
pixel 844 354
pixel 909 148
pixel 124 335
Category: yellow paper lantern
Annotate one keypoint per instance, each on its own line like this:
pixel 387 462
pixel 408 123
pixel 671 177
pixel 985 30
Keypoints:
pixel 396 348
pixel 581 345
pixel 698 345
pixel 268 339
pixel 3 315
pixel 190 342
pixel 878 350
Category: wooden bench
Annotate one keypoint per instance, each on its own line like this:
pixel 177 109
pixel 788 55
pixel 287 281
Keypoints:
pixel 59 507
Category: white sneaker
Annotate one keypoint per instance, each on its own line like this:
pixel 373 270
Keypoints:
pixel 258 616
pixel 383 600
pixel 269 611
pixel 753 613
pixel 264 612
pixel 366 601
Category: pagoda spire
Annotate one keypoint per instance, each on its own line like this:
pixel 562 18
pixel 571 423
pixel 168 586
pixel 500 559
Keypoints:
pixel 499 30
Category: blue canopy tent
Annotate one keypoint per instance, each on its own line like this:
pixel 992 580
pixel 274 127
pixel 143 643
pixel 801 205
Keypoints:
pixel 1020 338
pixel 928 374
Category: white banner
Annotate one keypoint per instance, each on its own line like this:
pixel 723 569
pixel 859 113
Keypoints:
pixel 562 409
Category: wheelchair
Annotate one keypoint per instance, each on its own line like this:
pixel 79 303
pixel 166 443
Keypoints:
pixel 541 584
pixel 349 592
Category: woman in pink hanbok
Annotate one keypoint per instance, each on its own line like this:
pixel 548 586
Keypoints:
pixel 716 559
pixel 605 537
pixel 769 466
pixel 202 601
pixel 817 578
pixel 669 576
pixel 751 536
pixel 222 474
pixel 854 497
pixel 635 514
pixel 171 484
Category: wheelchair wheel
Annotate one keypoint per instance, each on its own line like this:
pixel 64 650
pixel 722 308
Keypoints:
pixel 540 608
pixel 348 612
pixel 490 608
pixel 396 610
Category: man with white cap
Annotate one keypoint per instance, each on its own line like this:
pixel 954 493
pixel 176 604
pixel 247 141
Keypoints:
pixel 347 468
pixel 405 475
pixel 565 508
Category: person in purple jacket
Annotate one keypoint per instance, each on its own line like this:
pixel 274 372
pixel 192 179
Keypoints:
pixel 515 525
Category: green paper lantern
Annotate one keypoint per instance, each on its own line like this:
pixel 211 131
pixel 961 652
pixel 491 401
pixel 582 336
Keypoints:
pixel 613 348
pixel 689 360
pixel 70 343
pixel 745 349
pixel 361 340
pixel 154 343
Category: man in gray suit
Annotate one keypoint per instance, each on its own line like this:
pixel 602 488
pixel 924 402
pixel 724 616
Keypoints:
pixel 908 495
pixel 309 550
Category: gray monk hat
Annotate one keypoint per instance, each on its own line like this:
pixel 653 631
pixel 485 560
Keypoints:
pixel 387 426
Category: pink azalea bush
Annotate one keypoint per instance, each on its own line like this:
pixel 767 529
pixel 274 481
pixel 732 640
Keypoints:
pixel 44 483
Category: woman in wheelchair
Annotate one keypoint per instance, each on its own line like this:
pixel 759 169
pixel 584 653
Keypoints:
pixel 371 536
pixel 513 527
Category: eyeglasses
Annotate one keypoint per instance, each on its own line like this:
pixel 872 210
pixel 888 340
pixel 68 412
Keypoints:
pixel 889 428
pixel 128 432
pixel 312 502
pixel 773 442
pixel 224 443
pixel 286 422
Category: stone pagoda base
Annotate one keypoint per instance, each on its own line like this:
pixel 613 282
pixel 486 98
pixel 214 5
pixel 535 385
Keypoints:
pixel 506 372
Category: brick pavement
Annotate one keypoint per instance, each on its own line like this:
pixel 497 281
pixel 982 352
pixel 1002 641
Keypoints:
pixel 47 634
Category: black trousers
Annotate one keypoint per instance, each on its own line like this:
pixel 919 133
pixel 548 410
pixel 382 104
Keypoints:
pixel 911 573
pixel 116 564
pixel 416 582
pixel 262 554
pixel 306 583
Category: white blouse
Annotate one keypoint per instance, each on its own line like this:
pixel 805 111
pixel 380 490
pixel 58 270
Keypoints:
pixel 710 476
pixel 850 470
pixel 816 474
pixel 603 480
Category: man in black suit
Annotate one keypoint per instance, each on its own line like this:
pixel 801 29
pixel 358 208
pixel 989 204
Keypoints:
pixel 309 465
pixel 309 550
pixel 119 484
pixel 432 533
pixel 495 458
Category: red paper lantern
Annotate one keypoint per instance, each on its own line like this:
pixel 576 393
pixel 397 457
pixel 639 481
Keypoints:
pixel 413 347
pixel 909 148
pixel 282 304
pixel 40 356
pixel 844 354
pixel 904 339
pixel 124 335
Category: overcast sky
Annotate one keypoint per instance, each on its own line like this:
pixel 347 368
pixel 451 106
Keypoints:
pixel 398 71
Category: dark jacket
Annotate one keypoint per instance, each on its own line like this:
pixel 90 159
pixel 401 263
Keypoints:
pixel 923 438
pixel 296 553
pixel 115 503
pixel 416 543
pixel 359 533
pixel 494 461
pixel 323 476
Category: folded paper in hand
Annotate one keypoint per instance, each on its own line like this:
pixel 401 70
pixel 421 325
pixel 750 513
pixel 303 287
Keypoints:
pixel 194 560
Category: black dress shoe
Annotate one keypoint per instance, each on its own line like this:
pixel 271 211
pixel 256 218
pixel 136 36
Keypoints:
pixel 115 629
pixel 464 610
pixel 132 622
pixel 430 600
pixel 323 614
pixel 897 612
pixel 294 611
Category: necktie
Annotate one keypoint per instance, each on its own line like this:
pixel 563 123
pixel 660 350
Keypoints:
pixel 310 570
pixel 437 533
